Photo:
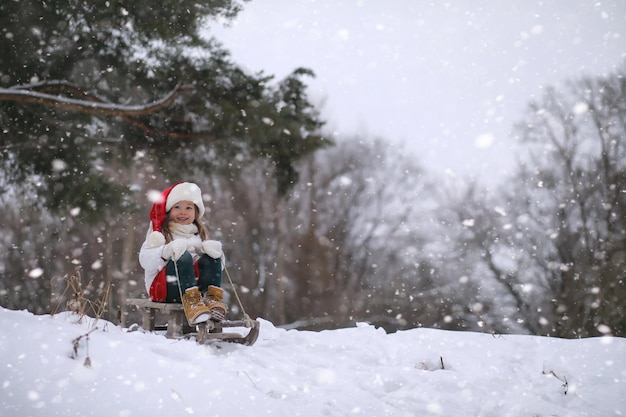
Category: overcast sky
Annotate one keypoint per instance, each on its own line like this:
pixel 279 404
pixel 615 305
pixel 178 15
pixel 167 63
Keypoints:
pixel 447 78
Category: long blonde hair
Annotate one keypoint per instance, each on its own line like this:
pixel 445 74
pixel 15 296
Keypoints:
pixel 203 231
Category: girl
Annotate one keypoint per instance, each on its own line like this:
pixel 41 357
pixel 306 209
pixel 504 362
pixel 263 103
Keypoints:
pixel 181 263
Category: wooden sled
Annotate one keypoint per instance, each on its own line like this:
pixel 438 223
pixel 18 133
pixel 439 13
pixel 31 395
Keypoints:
pixel 178 327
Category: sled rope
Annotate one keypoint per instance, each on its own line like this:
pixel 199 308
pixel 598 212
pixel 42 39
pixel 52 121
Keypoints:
pixel 180 290
pixel 243 310
pixel 232 285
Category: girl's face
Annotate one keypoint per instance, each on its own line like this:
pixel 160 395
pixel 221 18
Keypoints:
pixel 183 212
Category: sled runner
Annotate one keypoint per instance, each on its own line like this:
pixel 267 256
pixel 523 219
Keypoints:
pixel 213 330
pixel 205 332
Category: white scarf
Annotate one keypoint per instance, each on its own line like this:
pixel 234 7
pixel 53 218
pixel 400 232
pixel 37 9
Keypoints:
pixel 185 230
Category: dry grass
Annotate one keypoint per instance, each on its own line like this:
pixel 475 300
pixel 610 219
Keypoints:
pixel 80 302
pixel 83 302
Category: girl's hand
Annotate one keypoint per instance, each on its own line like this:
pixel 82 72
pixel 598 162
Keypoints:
pixel 213 248
pixel 174 250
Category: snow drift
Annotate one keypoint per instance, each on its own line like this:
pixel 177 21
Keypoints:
pixel 58 366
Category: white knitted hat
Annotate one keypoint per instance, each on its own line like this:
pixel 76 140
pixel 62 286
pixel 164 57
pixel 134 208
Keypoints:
pixel 185 191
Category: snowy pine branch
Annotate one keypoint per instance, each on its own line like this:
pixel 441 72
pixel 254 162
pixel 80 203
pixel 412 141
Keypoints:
pixel 91 105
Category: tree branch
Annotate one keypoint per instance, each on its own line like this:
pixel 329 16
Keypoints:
pixel 85 106
pixel 92 104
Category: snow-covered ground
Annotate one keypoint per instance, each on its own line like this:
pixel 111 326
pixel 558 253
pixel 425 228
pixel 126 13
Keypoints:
pixel 360 371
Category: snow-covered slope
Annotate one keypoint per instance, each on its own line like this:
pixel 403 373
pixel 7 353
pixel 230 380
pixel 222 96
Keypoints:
pixel 360 371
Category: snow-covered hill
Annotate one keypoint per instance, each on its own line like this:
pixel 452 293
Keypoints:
pixel 360 371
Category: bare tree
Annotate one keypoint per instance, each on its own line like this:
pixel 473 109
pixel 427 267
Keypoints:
pixel 359 227
pixel 566 235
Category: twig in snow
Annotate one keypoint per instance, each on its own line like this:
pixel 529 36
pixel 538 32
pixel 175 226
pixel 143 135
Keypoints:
pixel 563 380
pixel 76 345
pixel 434 367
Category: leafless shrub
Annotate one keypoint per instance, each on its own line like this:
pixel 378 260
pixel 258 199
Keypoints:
pixel 80 303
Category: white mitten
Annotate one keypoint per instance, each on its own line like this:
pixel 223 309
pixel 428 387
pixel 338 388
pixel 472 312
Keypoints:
pixel 155 239
pixel 213 248
pixel 175 249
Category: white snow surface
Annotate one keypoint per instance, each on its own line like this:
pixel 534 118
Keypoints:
pixel 360 371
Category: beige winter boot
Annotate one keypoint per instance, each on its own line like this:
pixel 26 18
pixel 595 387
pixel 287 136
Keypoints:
pixel 195 310
pixel 213 300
